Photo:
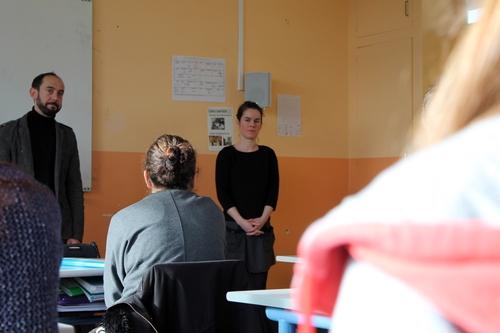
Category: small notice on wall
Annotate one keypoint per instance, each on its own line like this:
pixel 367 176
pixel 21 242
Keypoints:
pixel 220 128
pixel 289 115
pixel 198 79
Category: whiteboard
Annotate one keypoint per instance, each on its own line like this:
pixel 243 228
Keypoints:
pixel 38 36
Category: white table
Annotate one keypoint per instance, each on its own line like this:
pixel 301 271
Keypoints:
pixel 289 259
pixel 276 298
pixel 278 305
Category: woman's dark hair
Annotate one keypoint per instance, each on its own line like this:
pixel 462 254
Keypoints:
pixel 171 162
pixel 248 105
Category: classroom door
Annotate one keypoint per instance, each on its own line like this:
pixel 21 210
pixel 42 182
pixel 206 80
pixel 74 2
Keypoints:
pixel 384 60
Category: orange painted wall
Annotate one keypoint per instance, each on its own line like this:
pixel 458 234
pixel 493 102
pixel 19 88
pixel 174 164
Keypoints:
pixel 303 44
pixel 309 188
pixel 363 170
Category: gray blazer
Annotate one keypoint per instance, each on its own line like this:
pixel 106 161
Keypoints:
pixel 15 147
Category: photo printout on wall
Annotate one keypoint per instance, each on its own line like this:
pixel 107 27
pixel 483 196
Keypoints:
pixel 220 128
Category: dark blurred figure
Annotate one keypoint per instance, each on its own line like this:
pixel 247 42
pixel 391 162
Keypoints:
pixel 30 253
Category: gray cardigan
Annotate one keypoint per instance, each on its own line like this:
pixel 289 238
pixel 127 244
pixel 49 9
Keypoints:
pixel 166 226
pixel 15 147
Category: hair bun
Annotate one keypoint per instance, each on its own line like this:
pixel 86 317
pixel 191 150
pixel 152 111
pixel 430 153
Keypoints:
pixel 172 154
pixel 171 162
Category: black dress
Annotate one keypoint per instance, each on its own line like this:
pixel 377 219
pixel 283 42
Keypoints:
pixel 249 182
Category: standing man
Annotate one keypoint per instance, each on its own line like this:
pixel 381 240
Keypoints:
pixel 47 149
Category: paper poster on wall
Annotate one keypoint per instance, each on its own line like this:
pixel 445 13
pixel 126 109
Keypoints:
pixel 220 128
pixel 198 79
pixel 289 115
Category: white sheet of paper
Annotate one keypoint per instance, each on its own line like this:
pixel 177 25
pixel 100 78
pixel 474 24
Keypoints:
pixel 198 79
pixel 289 115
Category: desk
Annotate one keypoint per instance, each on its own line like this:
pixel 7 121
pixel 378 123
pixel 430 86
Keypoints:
pixel 86 313
pixel 278 307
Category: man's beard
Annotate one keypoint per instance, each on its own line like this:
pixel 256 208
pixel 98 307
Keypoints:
pixel 49 112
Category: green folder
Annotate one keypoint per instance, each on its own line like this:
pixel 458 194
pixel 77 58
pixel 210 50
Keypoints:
pixel 70 287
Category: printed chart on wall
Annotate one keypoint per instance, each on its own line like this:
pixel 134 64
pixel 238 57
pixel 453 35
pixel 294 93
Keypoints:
pixel 198 79
pixel 289 115
pixel 220 128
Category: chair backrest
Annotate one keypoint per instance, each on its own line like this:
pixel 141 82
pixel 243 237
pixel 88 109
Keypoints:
pixel 191 297
pixel 82 250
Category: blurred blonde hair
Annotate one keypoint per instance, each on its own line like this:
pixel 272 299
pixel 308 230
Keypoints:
pixel 470 87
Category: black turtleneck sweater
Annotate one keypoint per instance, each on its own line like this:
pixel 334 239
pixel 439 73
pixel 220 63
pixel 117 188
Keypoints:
pixel 43 147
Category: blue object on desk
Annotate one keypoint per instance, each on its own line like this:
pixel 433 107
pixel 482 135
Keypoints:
pixel 288 320
pixel 73 267
pixel 83 262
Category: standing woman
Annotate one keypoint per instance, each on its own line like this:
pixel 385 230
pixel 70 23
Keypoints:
pixel 247 180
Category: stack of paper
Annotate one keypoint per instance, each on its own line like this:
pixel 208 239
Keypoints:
pixel 81 294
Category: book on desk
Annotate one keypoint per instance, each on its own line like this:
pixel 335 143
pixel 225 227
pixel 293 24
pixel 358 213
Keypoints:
pixel 72 290
pixel 92 284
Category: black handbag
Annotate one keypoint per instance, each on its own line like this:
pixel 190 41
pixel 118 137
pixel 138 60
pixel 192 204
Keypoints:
pixel 256 251
pixel 82 250
pixel 260 251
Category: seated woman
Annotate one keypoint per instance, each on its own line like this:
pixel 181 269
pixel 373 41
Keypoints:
pixel 172 224
pixel 30 253
pixel 423 237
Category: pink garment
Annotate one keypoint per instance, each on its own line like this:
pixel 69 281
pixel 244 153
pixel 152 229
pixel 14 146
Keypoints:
pixel 455 265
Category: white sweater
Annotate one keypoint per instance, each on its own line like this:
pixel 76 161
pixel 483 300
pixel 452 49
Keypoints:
pixel 457 179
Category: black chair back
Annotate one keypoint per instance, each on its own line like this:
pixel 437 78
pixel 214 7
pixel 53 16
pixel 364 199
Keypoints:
pixel 190 297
